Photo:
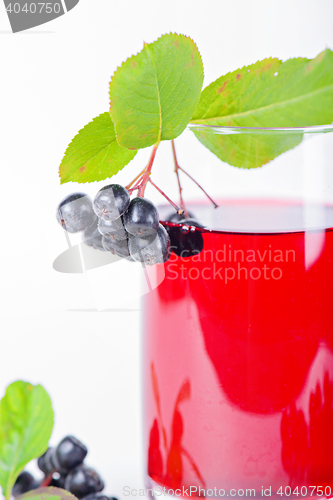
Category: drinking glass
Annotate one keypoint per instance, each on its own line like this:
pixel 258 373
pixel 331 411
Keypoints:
pixel 238 337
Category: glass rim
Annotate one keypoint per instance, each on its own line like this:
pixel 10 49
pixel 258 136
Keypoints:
pixel 224 129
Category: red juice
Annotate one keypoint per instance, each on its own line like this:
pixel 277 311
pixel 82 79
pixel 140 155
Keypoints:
pixel 238 360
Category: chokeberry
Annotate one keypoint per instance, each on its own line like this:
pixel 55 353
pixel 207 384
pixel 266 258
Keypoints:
pixel 153 249
pixel 45 462
pixel 108 244
pixel 83 480
pixel 112 229
pixel 75 212
pixel 96 496
pixel 141 218
pixel 185 240
pixel 111 202
pixel 58 482
pixel 92 237
pixel 25 482
pixel 175 217
pixel 70 452
pixel 121 248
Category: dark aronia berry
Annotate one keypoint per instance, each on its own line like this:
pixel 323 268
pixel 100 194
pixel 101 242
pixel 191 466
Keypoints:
pixel 58 482
pixel 83 480
pixel 75 212
pixel 41 464
pixel 141 218
pixel 70 452
pixel 45 462
pixel 108 244
pixel 121 248
pixel 190 221
pixel 92 237
pixel 25 482
pixel 96 496
pixel 185 240
pixel 153 249
pixel 175 217
pixel 114 230
pixel 111 202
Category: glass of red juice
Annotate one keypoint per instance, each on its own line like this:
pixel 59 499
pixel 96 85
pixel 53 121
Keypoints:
pixel 238 337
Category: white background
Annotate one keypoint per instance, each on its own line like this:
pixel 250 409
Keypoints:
pixel 54 79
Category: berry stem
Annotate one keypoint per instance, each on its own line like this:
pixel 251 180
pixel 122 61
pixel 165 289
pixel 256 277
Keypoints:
pixel 136 178
pixel 199 186
pixel 147 171
pixel 178 209
pixel 47 481
pixel 182 204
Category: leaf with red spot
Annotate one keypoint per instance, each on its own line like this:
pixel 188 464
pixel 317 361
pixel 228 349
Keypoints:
pixel 154 93
pixel 270 93
pixel 94 154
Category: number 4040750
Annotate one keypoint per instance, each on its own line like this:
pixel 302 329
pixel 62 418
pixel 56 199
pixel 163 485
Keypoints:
pixel 33 8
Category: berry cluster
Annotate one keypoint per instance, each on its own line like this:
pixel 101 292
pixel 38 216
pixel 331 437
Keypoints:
pixel 185 240
pixel 63 467
pixel 115 223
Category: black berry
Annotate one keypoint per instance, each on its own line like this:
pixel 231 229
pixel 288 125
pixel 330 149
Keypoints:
pixel 141 218
pixel 175 217
pixel 25 482
pixel 97 496
pixel 75 212
pixel 185 240
pixel 46 462
pixel 92 237
pixel 83 480
pixel 120 248
pixel 112 229
pixel 153 249
pixel 70 452
pixel 58 482
pixel 111 202
pixel 108 244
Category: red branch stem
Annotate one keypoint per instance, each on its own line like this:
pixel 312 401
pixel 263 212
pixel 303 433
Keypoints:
pixel 199 186
pixel 179 210
pixel 182 204
pixel 136 178
pixel 147 171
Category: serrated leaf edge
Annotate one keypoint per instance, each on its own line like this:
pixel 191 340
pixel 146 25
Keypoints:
pixel 69 145
pixel 207 121
pixel 146 45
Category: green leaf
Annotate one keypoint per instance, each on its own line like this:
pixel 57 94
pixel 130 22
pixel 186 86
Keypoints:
pixel 270 93
pixel 50 493
pixel 154 93
pixel 26 422
pixel 94 154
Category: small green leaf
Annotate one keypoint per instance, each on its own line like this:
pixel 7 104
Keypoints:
pixel 270 93
pixel 50 493
pixel 26 422
pixel 154 93
pixel 94 154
